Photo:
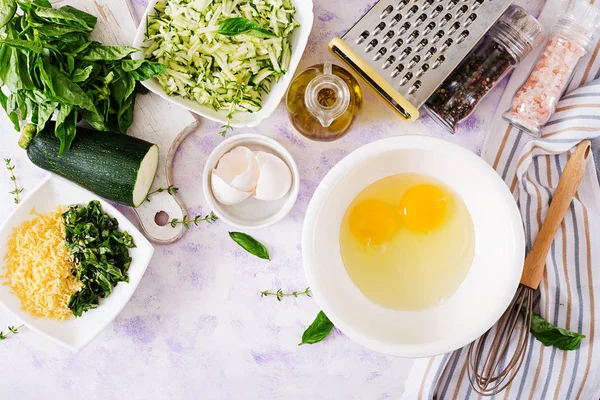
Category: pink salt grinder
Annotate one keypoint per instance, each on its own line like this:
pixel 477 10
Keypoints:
pixel 535 102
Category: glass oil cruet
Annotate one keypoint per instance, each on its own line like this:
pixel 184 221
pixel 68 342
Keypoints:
pixel 323 102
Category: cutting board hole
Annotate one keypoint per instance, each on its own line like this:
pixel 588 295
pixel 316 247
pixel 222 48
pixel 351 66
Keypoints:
pixel 161 218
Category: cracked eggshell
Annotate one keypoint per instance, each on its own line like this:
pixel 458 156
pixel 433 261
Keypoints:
pixel 225 193
pixel 239 169
pixel 275 178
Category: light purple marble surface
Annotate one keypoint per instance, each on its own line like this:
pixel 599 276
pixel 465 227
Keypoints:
pixel 197 327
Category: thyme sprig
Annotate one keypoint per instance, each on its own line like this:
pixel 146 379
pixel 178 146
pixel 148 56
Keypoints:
pixel 209 219
pixel 11 329
pixel 11 169
pixel 237 98
pixel 279 293
pixel 171 190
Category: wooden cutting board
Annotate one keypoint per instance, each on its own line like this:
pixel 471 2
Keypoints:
pixel 155 119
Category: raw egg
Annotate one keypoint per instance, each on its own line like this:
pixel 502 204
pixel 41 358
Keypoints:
pixel 373 221
pixel 423 207
pixel 407 242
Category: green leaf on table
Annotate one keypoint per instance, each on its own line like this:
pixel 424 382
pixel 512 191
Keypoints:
pixel 318 330
pixel 108 53
pixel 238 26
pixel 7 11
pixel 551 335
pixel 250 244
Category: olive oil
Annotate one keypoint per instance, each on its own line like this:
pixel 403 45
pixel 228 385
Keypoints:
pixel 323 102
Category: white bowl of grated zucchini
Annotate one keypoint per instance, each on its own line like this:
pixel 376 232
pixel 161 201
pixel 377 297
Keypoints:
pixel 39 284
pixel 228 61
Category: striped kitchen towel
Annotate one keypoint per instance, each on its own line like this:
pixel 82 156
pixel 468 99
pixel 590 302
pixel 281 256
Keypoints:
pixel 531 168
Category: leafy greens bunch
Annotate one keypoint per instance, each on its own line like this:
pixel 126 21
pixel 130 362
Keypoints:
pixel 48 62
pixel 100 251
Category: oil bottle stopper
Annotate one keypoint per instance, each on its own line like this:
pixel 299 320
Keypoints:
pixel 327 96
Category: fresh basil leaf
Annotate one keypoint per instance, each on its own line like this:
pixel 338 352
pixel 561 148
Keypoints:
pixel 23 103
pixel 81 75
pixel 238 26
pixel 131 65
pixel 65 129
pixel 142 69
pixel 58 31
pixel 63 15
pixel 123 87
pixel 14 118
pixel 44 112
pixel 36 96
pixel 125 114
pixel 7 11
pixel 89 19
pixel 70 64
pixel 74 47
pixel 26 45
pixel 108 53
pixel 318 330
pixel 66 91
pixel 551 335
pixel 96 117
pixel 13 70
pixel 250 244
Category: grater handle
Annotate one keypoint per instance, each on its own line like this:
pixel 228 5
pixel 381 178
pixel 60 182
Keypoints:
pixel 398 103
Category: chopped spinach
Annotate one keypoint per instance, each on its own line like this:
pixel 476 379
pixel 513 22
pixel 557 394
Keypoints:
pixel 48 62
pixel 100 251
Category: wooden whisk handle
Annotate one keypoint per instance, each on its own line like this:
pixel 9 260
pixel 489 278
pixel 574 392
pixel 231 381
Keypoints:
pixel 565 191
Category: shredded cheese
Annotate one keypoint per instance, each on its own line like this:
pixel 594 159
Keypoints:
pixel 39 267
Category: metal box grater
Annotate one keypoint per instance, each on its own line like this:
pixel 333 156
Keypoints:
pixel 405 49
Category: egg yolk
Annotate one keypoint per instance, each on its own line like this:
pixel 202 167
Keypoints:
pixel 373 221
pixel 423 208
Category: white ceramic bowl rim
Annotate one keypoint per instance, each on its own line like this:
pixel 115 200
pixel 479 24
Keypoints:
pixel 319 262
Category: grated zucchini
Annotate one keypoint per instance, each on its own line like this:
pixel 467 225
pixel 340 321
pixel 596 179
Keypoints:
pixel 224 72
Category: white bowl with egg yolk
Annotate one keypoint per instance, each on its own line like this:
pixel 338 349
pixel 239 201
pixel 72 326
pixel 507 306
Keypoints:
pixel 480 299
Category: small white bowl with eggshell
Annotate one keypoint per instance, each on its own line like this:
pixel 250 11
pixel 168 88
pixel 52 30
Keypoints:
pixel 250 181
pixel 478 299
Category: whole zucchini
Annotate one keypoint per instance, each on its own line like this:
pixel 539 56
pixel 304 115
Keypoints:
pixel 115 166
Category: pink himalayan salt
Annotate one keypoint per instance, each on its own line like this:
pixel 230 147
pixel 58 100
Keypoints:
pixel 535 102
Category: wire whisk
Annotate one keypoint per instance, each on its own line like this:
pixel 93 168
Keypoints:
pixel 488 374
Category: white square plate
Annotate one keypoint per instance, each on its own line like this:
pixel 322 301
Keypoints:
pixel 74 333
pixel 298 40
